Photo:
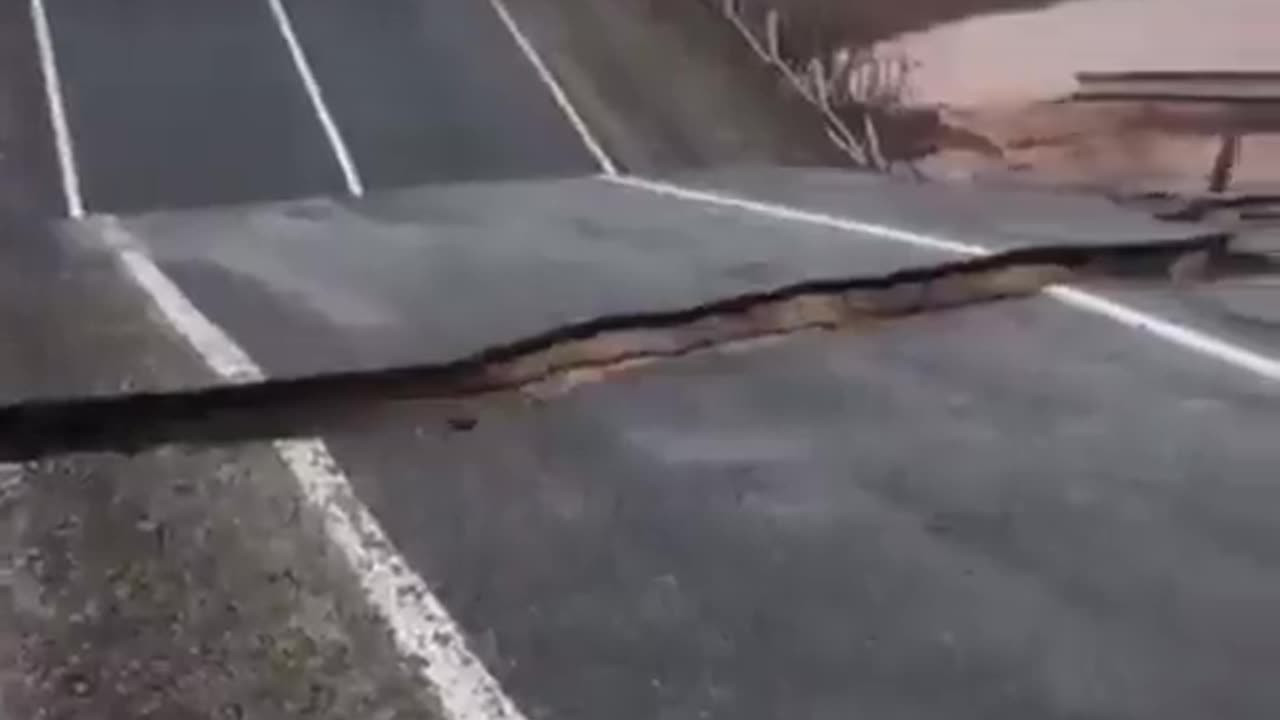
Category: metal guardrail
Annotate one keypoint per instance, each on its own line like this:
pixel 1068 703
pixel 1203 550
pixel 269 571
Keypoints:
pixel 1231 88
pixel 1249 87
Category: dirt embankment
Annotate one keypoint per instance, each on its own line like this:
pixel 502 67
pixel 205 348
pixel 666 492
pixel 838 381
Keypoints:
pixel 991 90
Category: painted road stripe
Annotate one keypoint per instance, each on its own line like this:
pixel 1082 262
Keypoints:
pixel 355 186
pixel 57 110
pixel 422 627
pixel 606 163
pixel 1185 337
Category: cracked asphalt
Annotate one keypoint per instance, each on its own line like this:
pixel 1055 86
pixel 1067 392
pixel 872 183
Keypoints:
pixel 1019 510
pixel 161 585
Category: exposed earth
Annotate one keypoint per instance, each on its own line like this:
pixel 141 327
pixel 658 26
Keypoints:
pixel 983 91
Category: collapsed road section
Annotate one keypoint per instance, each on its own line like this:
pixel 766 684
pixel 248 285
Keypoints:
pixel 846 514
pixel 1015 510
pixel 598 347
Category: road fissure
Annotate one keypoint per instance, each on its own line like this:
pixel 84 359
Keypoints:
pixel 562 357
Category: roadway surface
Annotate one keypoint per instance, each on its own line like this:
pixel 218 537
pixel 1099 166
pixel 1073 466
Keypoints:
pixel 200 102
pixel 1020 510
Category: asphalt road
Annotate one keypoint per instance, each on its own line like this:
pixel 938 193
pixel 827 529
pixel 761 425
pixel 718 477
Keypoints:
pixel 1015 511
pixel 191 103
pixel 173 583
pixel 429 92
pixel 186 103
pixel 1009 512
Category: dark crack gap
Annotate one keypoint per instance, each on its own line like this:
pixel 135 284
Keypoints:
pixel 594 349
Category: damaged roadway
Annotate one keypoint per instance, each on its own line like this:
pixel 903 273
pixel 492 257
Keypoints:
pixel 597 347
pixel 1011 510
pixel 1243 310
pixel 177 583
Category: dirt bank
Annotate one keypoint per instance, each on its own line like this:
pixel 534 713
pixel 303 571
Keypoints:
pixel 989 90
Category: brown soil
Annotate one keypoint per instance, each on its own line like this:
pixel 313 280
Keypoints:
pixel 1128 146
pixel 987 108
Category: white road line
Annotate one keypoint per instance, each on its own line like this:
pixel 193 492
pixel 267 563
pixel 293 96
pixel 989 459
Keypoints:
pixel 1185 337
pixel 349 172
pixel 57 110
pixel 606 163
pixel 422 627
pixel 783 212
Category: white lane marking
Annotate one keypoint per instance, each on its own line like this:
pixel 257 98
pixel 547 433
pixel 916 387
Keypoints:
pixel 1181 335
pixel 422 627
pixel 606 163
pixel 1188 338
pixel 355 186
pixel 783 212
pixel 57 110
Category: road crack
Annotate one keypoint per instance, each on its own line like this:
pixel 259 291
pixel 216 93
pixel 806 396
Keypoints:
pixel 588 351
